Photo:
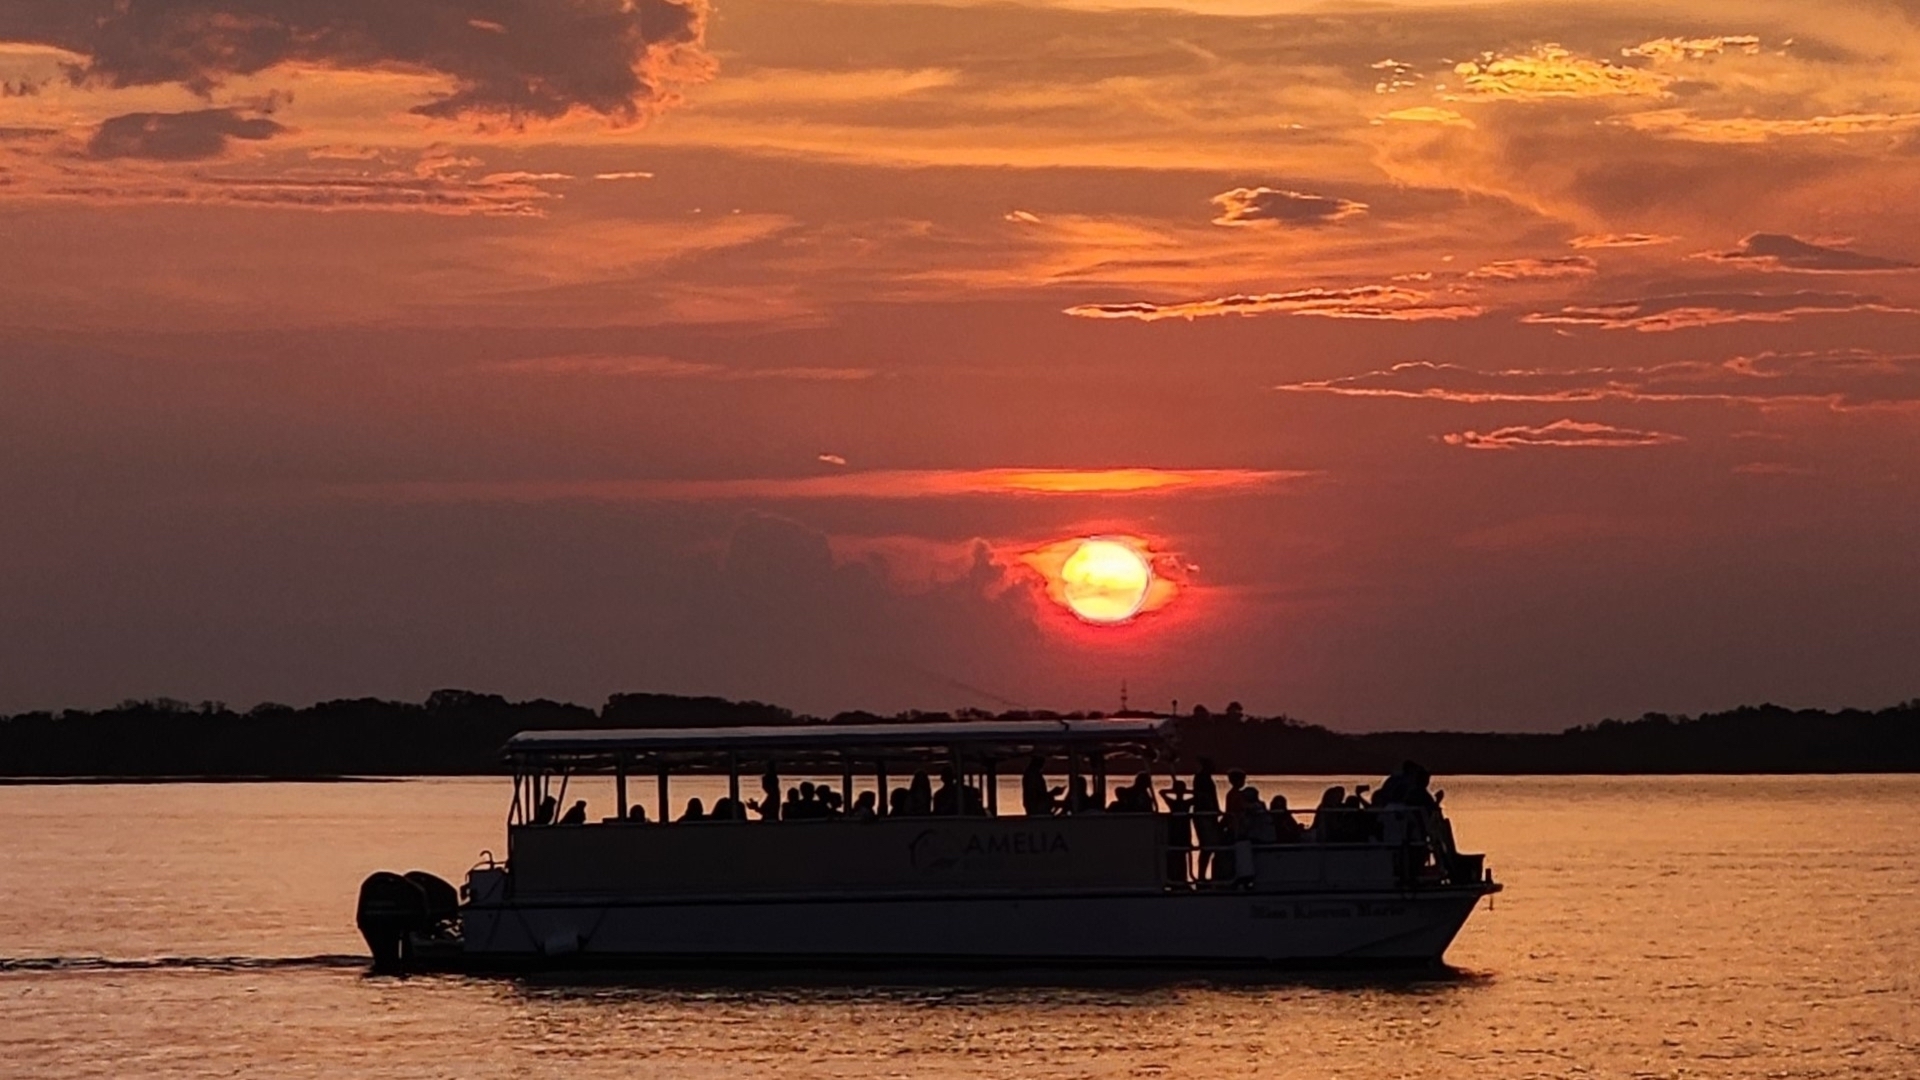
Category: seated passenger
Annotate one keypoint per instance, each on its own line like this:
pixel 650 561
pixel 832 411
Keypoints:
pixel 1080 798
pixel 695 811
pixel 900 803
pixel 1036 798
pixel 768 804
pixel 971 801
pixel 576 814
pixel 946 800
pixel 1135 798
pixel 863 807
pixel 1256 820
pixel 545 812
pixel 1360 826
pixel 637 813
pixel 1328 825
pixel 1286 829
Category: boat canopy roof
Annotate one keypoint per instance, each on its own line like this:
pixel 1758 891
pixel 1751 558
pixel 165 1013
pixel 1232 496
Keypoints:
pixel 821 741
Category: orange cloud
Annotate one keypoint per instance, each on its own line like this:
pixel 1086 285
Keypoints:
pixel 1364 302
pixel 1559 434
pixel 1550 71
pixel 876 484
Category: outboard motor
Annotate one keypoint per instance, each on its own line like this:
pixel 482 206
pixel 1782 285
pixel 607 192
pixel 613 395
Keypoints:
pixel 443 900
pixel 397 909
pixel 391 907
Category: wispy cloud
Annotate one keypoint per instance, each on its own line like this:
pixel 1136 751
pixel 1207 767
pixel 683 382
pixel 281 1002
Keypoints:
pixel 1686 124
pixel 1678 48
pixel 1620 240
pixel 1690 311
pixel 1556 268
pixel 1844 380
pixel 1362 302
pixel 1775 251
pixel 1560 434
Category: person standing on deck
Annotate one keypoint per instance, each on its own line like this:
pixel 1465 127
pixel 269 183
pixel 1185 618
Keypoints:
pixel 1206 817
pixel 1179 830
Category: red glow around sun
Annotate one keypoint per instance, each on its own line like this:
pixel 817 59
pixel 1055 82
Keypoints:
pixel 1103 580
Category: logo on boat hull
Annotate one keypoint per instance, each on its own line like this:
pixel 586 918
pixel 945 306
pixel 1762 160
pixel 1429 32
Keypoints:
pixel 948 849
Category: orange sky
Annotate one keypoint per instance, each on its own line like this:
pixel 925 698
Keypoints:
pixel 1508 364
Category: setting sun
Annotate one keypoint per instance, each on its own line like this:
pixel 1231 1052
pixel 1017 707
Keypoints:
pixel 1105 581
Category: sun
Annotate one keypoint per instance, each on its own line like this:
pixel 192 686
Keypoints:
pixel 1105 580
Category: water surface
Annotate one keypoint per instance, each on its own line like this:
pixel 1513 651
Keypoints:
pixel 1658 927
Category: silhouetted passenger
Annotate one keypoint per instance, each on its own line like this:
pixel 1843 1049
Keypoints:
pixel 726 808
pixel 1036 798
pixel 1358 825
pixel 544 813
pixel 900 803
pixel 1256 822
pixel 1179 829
pixel 1206 818
pixel 920 794
pixel 576 814
pixel 1328 816
pixel 1080 798
pixel 768 805
pixel 1286 829
pixel 1135 798
pixel 695 811
pixel 637 813
pixel 863 807
pixel 946 800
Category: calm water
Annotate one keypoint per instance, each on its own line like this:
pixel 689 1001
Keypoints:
pixel 1652 928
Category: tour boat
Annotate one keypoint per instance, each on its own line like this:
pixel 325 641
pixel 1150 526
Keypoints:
pixel 973 886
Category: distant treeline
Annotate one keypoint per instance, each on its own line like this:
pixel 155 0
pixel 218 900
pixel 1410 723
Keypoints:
pixel 457 732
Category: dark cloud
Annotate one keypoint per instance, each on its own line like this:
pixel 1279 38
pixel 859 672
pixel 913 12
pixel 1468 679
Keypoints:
pixel 518 59
pixel 1252 206
pixel 1560 434
pixel 1776 251
pixel 188 136
pixel 1692 310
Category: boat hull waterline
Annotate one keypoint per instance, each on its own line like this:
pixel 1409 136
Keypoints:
pixel 1191 931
